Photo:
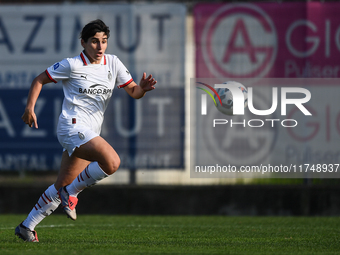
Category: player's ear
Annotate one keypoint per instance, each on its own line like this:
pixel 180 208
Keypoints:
pixel 82 43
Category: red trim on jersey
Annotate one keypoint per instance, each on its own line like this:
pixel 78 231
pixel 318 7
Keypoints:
pixel 49 76
pixel 83 58
pixel 125 84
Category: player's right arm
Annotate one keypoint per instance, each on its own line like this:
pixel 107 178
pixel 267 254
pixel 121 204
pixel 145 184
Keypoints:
pixel 29 116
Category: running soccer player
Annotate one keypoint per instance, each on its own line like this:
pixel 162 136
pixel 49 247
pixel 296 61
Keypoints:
pixel 88 82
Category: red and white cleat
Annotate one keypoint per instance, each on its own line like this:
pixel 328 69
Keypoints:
pixel 68 203
pixel 26 234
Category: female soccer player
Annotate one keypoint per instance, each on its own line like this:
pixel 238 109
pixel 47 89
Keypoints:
pixel 88 82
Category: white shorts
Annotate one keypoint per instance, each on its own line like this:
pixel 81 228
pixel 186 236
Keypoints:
pixel 73 136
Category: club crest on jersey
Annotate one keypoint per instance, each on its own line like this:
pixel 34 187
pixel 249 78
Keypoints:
pixel 81 136
pixel 109 76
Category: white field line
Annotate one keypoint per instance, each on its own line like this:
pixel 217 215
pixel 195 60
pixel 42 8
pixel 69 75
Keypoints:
pixel 45 226
pixel 114 225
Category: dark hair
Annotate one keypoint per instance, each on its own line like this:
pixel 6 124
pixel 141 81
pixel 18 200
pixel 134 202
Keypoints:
pixel 92 28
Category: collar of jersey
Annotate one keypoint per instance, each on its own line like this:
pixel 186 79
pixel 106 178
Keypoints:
pixel 86 61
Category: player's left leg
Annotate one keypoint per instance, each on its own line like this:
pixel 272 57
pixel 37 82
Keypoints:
pixel 70 168
pixel 94 172
pixel 105 161
pixel 90 176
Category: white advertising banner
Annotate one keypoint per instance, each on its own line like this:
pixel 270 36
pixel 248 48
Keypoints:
pixel 145 37
pixel 148 133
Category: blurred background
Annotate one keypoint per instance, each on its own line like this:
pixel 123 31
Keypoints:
pixel 176 41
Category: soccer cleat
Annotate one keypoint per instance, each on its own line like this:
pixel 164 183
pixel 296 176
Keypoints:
pixel 26 234
pixel 68 203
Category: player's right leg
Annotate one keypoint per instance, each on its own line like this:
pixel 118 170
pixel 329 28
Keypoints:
pixel 46 204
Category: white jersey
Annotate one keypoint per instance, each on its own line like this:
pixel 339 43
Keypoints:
pixel 87 88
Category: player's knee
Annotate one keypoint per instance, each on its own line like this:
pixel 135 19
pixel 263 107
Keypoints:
pixel 114 165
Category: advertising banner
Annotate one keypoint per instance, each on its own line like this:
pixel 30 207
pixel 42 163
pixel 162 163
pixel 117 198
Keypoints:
pixel 266 128
pixel 281 120
pixel 148 133
pixel 248 40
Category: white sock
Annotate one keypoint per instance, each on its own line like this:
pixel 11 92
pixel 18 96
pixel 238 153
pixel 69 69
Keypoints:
pixel 47 203
pixel 91 175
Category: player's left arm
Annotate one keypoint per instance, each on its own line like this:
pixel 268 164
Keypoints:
pixel 138 91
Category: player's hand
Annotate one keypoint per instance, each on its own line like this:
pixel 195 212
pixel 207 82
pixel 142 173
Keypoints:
pixel 30 118
pixel 147 83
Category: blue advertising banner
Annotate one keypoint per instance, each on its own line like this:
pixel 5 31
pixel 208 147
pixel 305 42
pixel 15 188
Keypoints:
pixel 147 133
pixel 25 148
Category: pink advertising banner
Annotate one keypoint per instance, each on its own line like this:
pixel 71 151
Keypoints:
pixel 246 40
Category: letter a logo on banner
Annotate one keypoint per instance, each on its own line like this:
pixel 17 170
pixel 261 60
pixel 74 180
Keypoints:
pixel 239 40
pixel 247 48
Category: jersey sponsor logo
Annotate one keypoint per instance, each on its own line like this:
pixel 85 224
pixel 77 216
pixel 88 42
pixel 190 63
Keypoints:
pixel 95 89
pixel 84 76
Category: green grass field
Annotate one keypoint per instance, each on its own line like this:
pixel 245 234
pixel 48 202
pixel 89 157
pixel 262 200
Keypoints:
pixel 103 234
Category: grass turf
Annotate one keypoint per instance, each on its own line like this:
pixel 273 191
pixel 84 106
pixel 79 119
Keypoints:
pixel 103 234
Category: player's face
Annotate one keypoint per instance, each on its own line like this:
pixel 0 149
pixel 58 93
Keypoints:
pixel 95 47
